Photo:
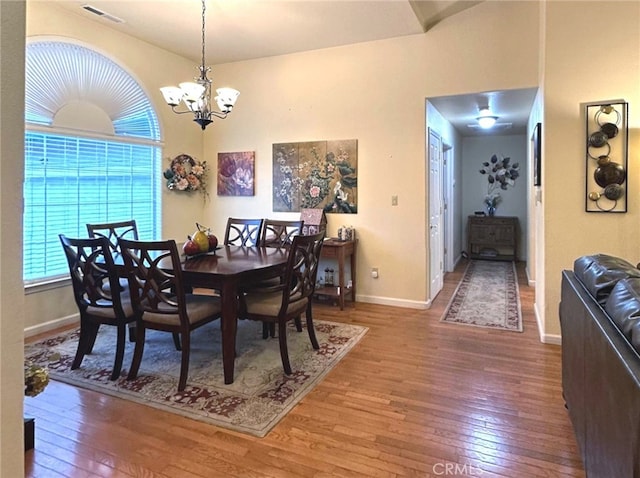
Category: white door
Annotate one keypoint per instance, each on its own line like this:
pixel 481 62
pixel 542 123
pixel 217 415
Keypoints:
pixel 436 248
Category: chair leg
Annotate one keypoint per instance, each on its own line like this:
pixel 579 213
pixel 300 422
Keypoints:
pixel 310 328
pixel 265 330
pixel 132 332
pixel 176 340
pixel 117 364
pixel 184 365
pixel 298 323
pixel 93 329
pixel 284 352
pixel 137 353
pixel 87 336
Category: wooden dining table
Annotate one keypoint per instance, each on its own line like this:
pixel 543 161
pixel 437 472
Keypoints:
pixel 228 270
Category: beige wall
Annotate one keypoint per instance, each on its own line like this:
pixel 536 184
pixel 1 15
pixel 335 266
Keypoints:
pixel 11 297
pixel 579 68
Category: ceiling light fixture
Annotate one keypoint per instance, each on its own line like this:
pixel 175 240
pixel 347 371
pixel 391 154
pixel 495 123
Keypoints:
pixel 486 120
pixel 197 95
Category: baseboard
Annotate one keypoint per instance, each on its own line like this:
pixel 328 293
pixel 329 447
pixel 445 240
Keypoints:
pixel 51 325
pixel 409 304
pixel 552 339
pixel 530 281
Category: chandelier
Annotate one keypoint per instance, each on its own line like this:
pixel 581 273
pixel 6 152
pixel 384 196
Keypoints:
pixel 197 95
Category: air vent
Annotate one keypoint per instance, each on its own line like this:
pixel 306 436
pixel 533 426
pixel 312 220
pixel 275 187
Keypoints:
pixel 100 13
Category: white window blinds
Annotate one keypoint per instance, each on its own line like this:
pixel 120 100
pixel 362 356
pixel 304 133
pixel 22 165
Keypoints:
pixel 72 180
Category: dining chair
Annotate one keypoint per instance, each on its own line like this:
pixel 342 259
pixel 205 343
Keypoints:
pixel 288 300
pixel 279 234
pixel 158 295
pixel 242 232
pixel 92 268
pixel 113 231
pixel 276 233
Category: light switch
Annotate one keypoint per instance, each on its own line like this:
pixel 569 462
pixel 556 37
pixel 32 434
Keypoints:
pixel 394 200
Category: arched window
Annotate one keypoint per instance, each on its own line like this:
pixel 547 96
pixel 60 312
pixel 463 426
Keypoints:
pixel 92 152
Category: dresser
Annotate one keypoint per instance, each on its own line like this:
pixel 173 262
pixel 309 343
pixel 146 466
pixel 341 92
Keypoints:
pixel 492 237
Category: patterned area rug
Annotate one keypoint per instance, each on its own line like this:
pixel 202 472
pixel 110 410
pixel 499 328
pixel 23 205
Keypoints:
pixel 487 296
pixel 260 396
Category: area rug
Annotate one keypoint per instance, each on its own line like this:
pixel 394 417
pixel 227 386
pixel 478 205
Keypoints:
pixel 487 296
pixel 259 397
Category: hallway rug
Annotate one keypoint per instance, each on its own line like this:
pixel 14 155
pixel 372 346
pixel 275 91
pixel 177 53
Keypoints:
pixel 259 397
pixel 487 296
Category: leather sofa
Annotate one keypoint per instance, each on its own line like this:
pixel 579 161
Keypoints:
pixel 600 324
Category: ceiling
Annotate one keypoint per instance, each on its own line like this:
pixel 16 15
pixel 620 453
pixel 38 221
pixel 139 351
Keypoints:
pixel 238 30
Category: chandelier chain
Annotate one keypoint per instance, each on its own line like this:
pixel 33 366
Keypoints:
pixel 203 19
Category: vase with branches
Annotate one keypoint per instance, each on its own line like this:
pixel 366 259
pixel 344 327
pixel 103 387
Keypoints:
pixel 501 174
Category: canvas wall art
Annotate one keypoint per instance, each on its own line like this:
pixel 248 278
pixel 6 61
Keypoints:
pixel 316 175
pixel 236 174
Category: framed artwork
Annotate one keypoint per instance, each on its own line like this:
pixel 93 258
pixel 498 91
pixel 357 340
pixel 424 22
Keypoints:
pixel 536 143
pixel 316 175
pixel 236 172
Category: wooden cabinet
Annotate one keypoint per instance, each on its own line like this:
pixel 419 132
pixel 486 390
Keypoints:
pixel 492 237
pixel 340 251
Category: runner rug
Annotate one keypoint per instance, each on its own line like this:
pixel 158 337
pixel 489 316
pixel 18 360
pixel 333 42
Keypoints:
pixel 487 296
pixel 259 397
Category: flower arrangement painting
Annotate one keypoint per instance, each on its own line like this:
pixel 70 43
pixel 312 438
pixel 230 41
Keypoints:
pixel 236 174
pixel 316 175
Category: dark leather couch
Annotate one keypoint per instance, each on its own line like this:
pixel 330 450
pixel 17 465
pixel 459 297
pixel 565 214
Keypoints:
pixel 600 323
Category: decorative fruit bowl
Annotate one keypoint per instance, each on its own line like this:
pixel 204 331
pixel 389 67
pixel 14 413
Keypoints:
pixel 201 254
pixel 200 243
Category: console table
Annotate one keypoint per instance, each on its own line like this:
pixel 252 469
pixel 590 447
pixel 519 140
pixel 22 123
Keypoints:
pixel 492 237
pixel 339 250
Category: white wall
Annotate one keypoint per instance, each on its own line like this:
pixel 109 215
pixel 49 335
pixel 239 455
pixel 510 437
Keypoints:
pixel 475 151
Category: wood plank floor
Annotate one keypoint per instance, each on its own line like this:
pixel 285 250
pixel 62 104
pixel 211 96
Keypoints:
pixel 415 398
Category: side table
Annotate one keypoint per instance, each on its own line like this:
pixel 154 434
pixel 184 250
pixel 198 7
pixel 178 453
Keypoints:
pixel 340 250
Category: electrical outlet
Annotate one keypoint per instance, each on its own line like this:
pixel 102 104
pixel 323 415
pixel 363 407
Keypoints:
pixel 374 272
pixel 394 200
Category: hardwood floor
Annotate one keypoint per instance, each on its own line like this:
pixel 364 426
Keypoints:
pixel 415 398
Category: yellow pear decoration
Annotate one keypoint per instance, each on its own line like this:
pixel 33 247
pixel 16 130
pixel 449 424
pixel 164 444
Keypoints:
pixel 201 238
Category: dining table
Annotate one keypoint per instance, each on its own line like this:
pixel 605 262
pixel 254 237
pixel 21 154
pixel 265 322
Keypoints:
pixel 227 270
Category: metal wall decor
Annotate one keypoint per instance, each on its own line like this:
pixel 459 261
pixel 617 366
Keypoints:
pixel 606 146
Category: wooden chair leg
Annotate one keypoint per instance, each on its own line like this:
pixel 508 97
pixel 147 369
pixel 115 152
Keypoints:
pixel 311 329
pixel 132 332
pixel 298 323
pixel 93 333
pixel 176 341
pixel 184 365
pixel 117 364
pixel 137 353
pixel 86 330
pixel 284 352
pixel 265 330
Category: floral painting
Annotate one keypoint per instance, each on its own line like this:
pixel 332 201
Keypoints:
pixel 236 174
pixel 316 175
